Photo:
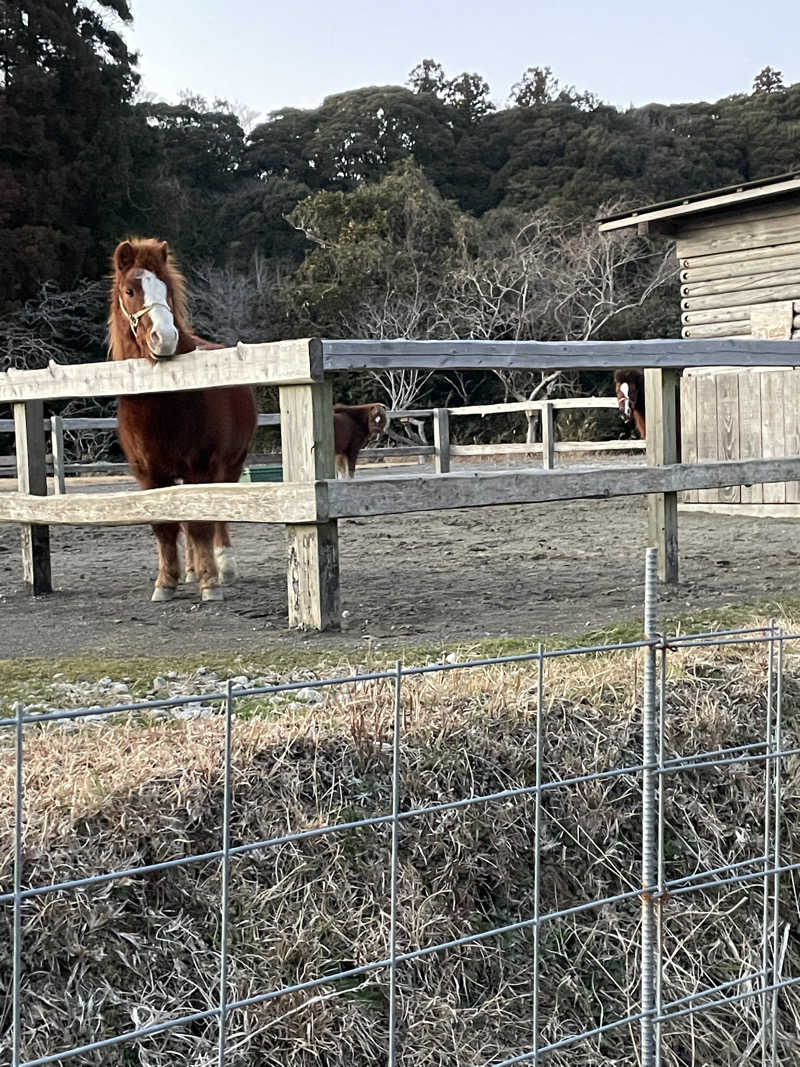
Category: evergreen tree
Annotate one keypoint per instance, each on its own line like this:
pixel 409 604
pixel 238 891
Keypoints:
pixel 65 185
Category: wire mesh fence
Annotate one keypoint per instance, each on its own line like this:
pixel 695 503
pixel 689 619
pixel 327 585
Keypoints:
pixel 634 882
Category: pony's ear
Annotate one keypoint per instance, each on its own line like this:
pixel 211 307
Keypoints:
pixel 164 248
pixel 123 256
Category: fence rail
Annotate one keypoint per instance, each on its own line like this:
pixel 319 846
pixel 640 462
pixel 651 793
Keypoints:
pixel 763 873
pixel 441 451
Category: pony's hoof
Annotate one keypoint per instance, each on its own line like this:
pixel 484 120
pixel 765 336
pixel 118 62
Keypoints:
pixel 162 593
pixel 213 592
pixel 190 578
pixel 226 565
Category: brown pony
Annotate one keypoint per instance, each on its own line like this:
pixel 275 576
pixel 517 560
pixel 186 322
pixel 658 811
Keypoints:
pixel 629 386
pixel 353 425
pixel 192 437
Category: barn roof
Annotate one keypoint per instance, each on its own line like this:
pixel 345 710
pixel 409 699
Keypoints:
pixel 706 202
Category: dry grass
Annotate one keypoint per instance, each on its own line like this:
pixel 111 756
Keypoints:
pixel 106 959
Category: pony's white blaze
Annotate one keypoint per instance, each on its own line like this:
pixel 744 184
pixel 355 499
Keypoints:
pixel 627 407
pixel 162 337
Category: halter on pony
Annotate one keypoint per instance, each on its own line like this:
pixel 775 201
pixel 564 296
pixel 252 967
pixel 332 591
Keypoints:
pixel 134 316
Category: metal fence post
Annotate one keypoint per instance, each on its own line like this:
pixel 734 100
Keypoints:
pixel 537 853
pixel 226 875
pixel 398 705
pixel 649 829
pixel 16 979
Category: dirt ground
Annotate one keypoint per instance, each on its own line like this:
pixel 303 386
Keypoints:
pixel 446 576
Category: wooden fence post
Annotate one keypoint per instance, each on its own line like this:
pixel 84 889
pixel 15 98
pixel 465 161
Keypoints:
pixel 57 448
pixel 32 478
pixel 441 440
pixel 548 436
pixel 661 402
pixel 313 548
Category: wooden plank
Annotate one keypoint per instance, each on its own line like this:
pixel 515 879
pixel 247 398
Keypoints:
pixel 740 255
pixel 268 502
pixel 406 493
pixel 703 318
pixel 750 443
pixel 32 480
pixel 689 427
pixel 727 384
pixel 514 448
pixel 555 355
pixel 747 282
pixel 723 329
pixel 711 203
pixel 742 298
pixel 57 448
pixel 772 428
pixel 661 390
pixel 441 440
pixel 307 446
pixel 281 362
pixel 738 214
pixel 791 421
pixel 706 437
pixel 750 267
pixel 756 234
pixel 773 322
pixel 750 511
pixel 548 437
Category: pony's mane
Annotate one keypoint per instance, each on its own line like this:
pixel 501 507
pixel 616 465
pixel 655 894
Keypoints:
pixel 148 255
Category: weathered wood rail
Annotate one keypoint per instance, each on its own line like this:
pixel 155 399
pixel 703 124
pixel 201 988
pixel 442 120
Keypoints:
pixel 310 501
pixel 441 451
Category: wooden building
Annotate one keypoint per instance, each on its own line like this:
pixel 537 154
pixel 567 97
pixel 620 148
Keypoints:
pixel 738 251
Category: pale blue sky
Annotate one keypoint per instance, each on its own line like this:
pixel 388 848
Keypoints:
pixel 267 54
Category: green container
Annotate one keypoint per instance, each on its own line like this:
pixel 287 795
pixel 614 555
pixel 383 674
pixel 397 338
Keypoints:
pixel 265 472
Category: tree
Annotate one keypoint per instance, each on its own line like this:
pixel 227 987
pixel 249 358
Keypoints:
pixel 380 255
pixel 428 77
pixel 542 278
pixel 537 86
pixel 468 96
pixel 66 80
pixel 768 80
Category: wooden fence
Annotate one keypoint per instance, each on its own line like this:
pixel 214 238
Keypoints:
pixel 310 501
pixel 440 451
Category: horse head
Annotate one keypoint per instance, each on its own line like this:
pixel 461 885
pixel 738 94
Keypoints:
pixel 144 293
pixel 378 419
pixel 629 385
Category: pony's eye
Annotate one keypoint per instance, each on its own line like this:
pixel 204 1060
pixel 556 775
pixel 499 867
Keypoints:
pixel 129 292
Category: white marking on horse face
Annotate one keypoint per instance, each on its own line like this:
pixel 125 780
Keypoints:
pixel 626 407
pixel 162 337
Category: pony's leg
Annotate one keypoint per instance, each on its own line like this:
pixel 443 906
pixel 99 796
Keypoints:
pixel 168 569
pixel 201 536
pixel 223 554
pixel 190 573
pixel 341 466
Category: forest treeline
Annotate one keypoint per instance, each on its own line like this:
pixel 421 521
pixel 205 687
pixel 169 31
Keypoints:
pixel 416 210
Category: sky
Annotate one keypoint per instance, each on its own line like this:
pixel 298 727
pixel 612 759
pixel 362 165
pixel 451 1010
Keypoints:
pixel 270 54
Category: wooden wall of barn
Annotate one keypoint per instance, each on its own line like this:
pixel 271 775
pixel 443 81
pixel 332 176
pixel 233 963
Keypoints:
pixel 733 263
pixel 735 413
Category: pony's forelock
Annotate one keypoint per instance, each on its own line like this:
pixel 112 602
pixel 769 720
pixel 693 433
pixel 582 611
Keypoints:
pixel 148 254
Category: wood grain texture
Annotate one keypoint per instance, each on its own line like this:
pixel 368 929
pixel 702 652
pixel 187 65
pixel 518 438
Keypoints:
pixel 406 493
pixel 258 364
pixel 728 428
pixel 750 443
pixel 555 355
pixel 688 427
pixel 269 502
